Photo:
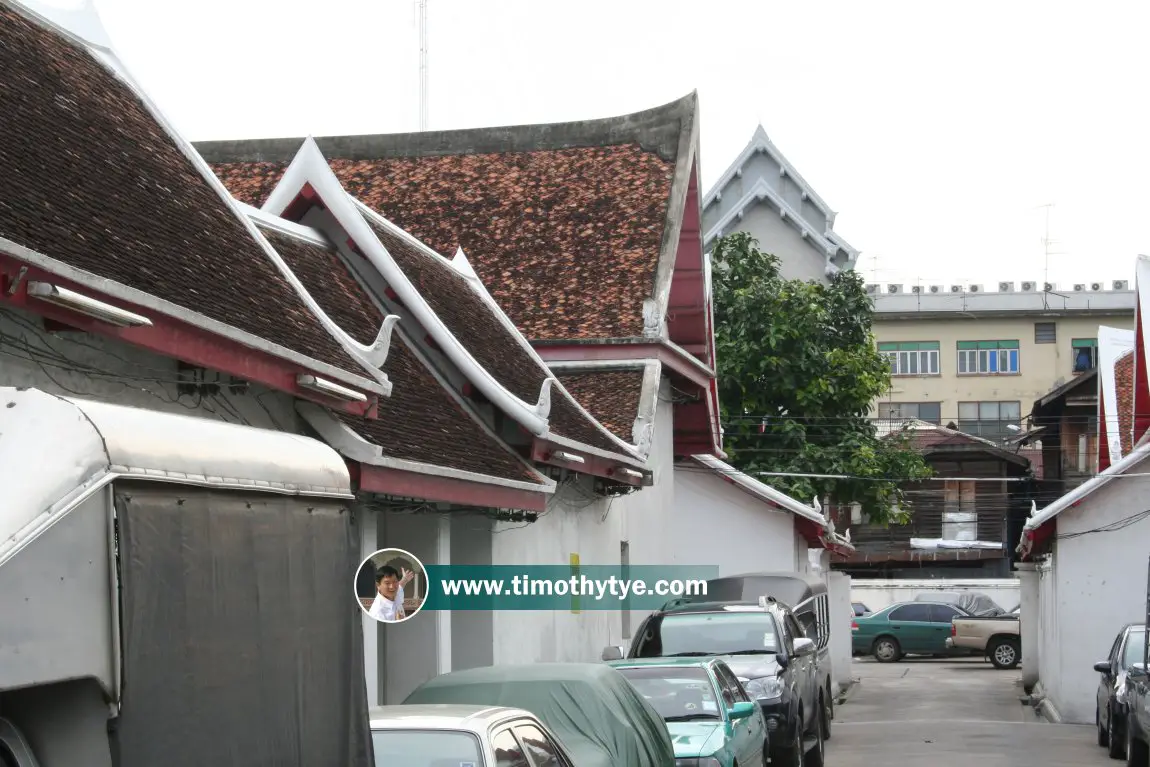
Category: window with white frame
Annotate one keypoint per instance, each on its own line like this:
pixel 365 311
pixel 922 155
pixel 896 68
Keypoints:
pixel 991 420
pixel 959 511
pixel 911 358
pixel 987 358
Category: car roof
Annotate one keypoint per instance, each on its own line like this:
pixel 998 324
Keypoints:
pixel 441 716
pixel 741 606
pixel 666 662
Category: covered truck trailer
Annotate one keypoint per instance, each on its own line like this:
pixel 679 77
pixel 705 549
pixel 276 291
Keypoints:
pixel 174 591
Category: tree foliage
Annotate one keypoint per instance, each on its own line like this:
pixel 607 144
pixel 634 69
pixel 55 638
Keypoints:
pixel 798 373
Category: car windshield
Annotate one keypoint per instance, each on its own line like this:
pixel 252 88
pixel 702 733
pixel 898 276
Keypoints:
pixel 1135 646
pixel 425 748
pixel 718 633
pixel 678 694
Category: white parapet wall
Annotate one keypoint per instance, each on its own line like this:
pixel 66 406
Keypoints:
pixel 877 594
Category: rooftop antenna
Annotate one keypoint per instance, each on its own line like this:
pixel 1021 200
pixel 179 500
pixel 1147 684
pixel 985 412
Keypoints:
pixel 423 111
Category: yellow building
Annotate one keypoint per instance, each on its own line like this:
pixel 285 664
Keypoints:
pixel 980 359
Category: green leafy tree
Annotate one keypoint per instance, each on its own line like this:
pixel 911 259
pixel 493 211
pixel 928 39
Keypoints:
pixel 798 372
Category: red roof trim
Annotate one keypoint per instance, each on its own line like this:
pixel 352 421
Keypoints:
pixel 174 339
pixel 542 451
pixel 427 487
pixel 1141 384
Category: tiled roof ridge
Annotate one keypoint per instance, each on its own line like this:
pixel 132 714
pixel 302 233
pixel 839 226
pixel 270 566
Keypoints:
pixel 551 383
pixel 656 129
pixel 643 422
pixel 81 28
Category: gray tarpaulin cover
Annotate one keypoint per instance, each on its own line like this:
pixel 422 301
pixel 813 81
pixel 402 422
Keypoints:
pixel 601 719
pixel 242 640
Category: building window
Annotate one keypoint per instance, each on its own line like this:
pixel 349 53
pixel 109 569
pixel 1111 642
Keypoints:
pixel 901 411
pixel 914 358
pixel 989 419
pixel 985 358
pixel 1045 333
pixel 1085 354
pixel 959 512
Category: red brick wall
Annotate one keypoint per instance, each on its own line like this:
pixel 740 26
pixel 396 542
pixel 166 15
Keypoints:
pixel 1124 383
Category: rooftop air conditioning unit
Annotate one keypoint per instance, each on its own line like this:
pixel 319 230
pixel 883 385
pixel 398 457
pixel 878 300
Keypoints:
pixel 1121 285
pixel 1080 287
pixel 871 289
pixel 1006 287
pixel 1096 286
pixel 955 288
pixel 892 288
pixel 975 288
pixel 936 288
pixel 1029 287
pixel 1049 287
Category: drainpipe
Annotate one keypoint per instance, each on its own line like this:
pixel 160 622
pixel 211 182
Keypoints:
pixel 1028 622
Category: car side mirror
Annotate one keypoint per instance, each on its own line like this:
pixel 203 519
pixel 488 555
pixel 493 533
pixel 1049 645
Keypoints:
pixel 804 646
pixel 741 710
pixel 1102 667
pixel 612 652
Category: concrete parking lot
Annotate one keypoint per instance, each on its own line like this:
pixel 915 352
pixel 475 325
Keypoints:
pixel 946 713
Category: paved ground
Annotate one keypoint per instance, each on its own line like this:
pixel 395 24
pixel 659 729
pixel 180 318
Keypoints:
pixel 944 713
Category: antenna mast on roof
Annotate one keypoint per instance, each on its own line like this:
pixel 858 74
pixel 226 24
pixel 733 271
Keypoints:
pixel 422 65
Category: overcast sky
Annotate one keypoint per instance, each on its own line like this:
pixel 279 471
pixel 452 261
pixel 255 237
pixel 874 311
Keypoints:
pixel 936 130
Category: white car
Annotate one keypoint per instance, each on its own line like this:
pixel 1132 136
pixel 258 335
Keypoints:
pixel 451 735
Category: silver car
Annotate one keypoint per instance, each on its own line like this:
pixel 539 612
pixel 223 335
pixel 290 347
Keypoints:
pixel 438 735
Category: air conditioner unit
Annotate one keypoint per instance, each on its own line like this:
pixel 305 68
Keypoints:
pixel 1006 287
pixel 975 288
pixel 1049 287
pixel 872 289
pixel 955 288
pixel 1121 285
pixel 892 288
pixel 1080 287
pixel 1029 287
pixel 1096 286
pixel 916 288
pixel 936 288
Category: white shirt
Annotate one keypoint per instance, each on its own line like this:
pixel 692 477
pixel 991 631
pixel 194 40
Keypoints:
pixel 384 609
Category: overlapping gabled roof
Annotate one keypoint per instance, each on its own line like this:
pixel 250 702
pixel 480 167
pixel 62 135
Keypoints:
pixel 102 197
pixel 455 316
pixel 422 427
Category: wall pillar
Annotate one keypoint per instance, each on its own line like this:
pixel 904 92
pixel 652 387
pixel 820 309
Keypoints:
pixel 1029 620
pixel 369 544
pixel 442 617
pixel 839 592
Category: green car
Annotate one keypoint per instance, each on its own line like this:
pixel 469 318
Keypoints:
pixel 711 719
pixel 906 628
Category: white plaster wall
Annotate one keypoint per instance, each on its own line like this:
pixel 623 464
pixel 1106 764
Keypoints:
pixel 75 364
pixel 1049 655
pixel 839 591
pixel 879 593
pixel 799 260
pixel 408 650
pixel 472 631
pixel 1100 587
pixel 576 522
pixel 741 533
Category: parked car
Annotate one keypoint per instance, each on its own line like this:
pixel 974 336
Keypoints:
pixel 973 602
pixel 440 734
pixel 1110 705
pixel 860 609
pixel 708 712
pixel 601 719
pixel 808 598
pixel 997 637
pixel 1137 694
pixel 906 628
pixel 764 645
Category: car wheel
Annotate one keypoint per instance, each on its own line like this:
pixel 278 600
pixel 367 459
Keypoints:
pixel 1136 755
pixel 887 650
pixel 1004 653
pixel 1102 736
pixel 828 713
pixel 790 755
pixel 1117 747
pixel 817 755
